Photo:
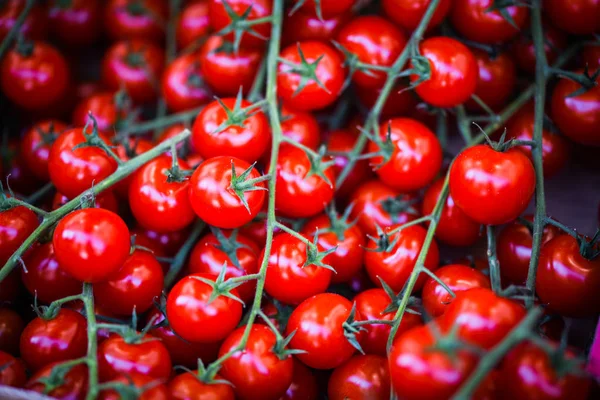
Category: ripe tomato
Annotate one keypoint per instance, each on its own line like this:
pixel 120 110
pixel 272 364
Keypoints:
pixel 16 224
pixel 361 377
pixel 106 200
pixel 156 203
pixel 216 202
pixel 16 172
pixel 134 65
pixel 302 26
pixel 149 388
pixel 126 19
pixel 310 75
pixel 187 386
pixel 304 384
pixel 326 8
pixel 76 23
pixel 452 75
pixel 197 318
pixel 523 49
pixel 301 127
pixel 577 117
pixel 400 102
pixel 375 41
pixel 567 281
pixel 415 156
pixel 496 80
pixel 246 139
pixel 91 244
pixel 34 78
pixel 73 386
pixel 75 171
pixel 34 26
pixel 298 194
pixel 220 19
pixel 371 304
pixel 11 326
pixel 454 226
pixel 418 371
pixel 193 23
pixel 473 20
pixel 319 332
pixel 12 372
pixel 343 141
pixel 577 17
pixel 117 357
pixel 182 85
pixel 492 187
pixel 59 339
pixel 162 244
pixel 103 108
pixel 408 13
pixel 35 146
pixel 127 150
pixel 591 56
pixel 396 265
pixel 257 372
pixel 483 318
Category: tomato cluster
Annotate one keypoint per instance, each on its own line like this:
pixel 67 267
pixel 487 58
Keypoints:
pixel 272 196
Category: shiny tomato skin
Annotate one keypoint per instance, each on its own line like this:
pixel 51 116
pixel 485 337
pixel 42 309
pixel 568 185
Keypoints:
pixel 302 26
pixel 193 23
pixel 74 386
pixel 187 386
pixel 11 327
pixel 219 19
pixel 288 279
pixel 256 372
pixel 400 101
pixel 21 179
pixel 453 72
pixel 371 305
pixel 151 388
pixel 34 26
pixel 416 158
pixel 472 20
pixel 298 195
pixel 106 200
pixel 312 95
pixel 577 117
pixel 318 324
pixel 157 204
pixel 182 86
pixel 13 371
pixel 408 13
pixel 492 187
pixel 136 147
pixel 454 227
pixel 566 281
pixel 35 146
pixel 91 244
pixel 34 81
pixel 591 56
pixel 577 17
pixel 197 320
pixel 75 171
pixel 59 339
pixel 300 126
pixel 103 108
pixel 215 202
pixel 16 224
pixel 363 377
pixel 304 384
pixel 496 81
pixel 343 141
pixel 374 40
pixel 523 49
pixel 122 21
pixel 395 266
pixel 326 7
pixel 162 244
pixel 77 24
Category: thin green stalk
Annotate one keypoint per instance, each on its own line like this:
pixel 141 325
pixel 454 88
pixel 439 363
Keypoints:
pixel 8 39
pixel 164 122
pixel 92 338
pixel 182 254
pixel 39 194
pixel 493 259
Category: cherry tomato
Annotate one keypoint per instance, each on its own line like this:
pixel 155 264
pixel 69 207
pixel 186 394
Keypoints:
pixel 187 386
pixel 34 78
pixel 492 187
pixel 61 338
pixel 496 80
pixel 319 88
pixel 400 101
pixel 91 244
pixel 578 17
pixel 301 127
pixel 16 171
pixel 36 143
pixel 473 20
pixel 12 371
pixel 246 139
pixel 303 386
pixel 413 159
pixel 127 19
pixel 524 51
pixel 302 26
pixel 16 224
pixel 34 26
pixel 166 244
pixel 591 57
pixel 11 326
pixel 343 141
pixel 375 41
pixel 156 203
pixel 149 388
pixel 408 13
pixel 326 8
pixel 453 72
pixel 319 332
pixel 567 281
pixel 103 108
pixel 182 85
pixel 220 19
pixel 395 266
pixel 74 385
pixel 134 65
pixel 126 150
pixel 578 117
pixel 361 377
pixel 195 317
pixel 76 23
pixel 106 200
pixel 193 23
pixel 297 193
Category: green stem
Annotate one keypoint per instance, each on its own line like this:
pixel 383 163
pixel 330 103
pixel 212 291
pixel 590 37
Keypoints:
pixel 414 222
pixel 182 254
pixel 163 122
pixel 562 227
pixel 254 94
pixel 16 27
pixel 493 259
pixel 92 337
pixel 464 126
pixel 39 194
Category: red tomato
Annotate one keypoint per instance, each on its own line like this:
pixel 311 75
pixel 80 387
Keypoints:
pixel 166 244
pixel 182 85
pixel 35 146
pixel 59 339
pixel 289 278
pixel 106 200
pixel 577 117
pixel 453 72
pixel 326 8
pixel 257 372
pixel 320 80
pixel 472 19
pixel 496 80
pixel 76 23
pixel 408 13
pixel 16 172
pixel 578 17
pixel 216 202
pixel 591 57
pixel 127 150
pixel 343 141
pixel 91 244
pixel 126 19
pixel 103 108
pixel 34 78
pixel 34 26
pixel 492 187
pixel 11 326
pixel 220 19
pixel 301 127
pixel 361 378
pixel 396 265
pixel 297 193
pixel 12 372
pixel 400 101
pixel 303 386
pixel 247 139
pixel 16 224
pixel 454 227
pixel 375 41
pixel 197 318
pixel 117 357
pixel 73 386
pixel 193 23
pixel 371 304
pixel 418 371
pixel 135 65
pixel 567 281
pixel 187 386
pixel 75 171
pixel 319 332
pixel 524 50
pixel 156 203
pixel 149 388
pixel 302 26
pixel 413 159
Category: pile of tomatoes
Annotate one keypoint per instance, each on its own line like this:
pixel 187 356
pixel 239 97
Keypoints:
pixel 259 199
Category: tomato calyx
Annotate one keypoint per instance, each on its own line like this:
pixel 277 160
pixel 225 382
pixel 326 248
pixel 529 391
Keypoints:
pixel 353 64
pixel 585 80
pixel 129 391
pixel 228 245
pixel 450 344
pixel 57 375
pixel 24 47
pixel 338 224
pixel 136 8
pixel 47 136
pixel 300 3
pixel 280 348
pixel 93 139
pixel 589 249
pixel 502 7
pixel 396 206
pixel 206 374
pixel 396 300
pixel 307 71
pixel 240 184
pixel 562 363
pixel 194 79
pixel 315 257
pixel 386 147
pixel 222 287
pixel 238 115
pixel 318 165
pixel 351 329
pixel 176 173
pixel 241 24
pixel 63 4
pixel 384 242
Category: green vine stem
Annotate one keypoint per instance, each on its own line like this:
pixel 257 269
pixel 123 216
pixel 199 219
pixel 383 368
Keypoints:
pixel 179 260
pixel 92 337
pixel 493 259
pixel 12 34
